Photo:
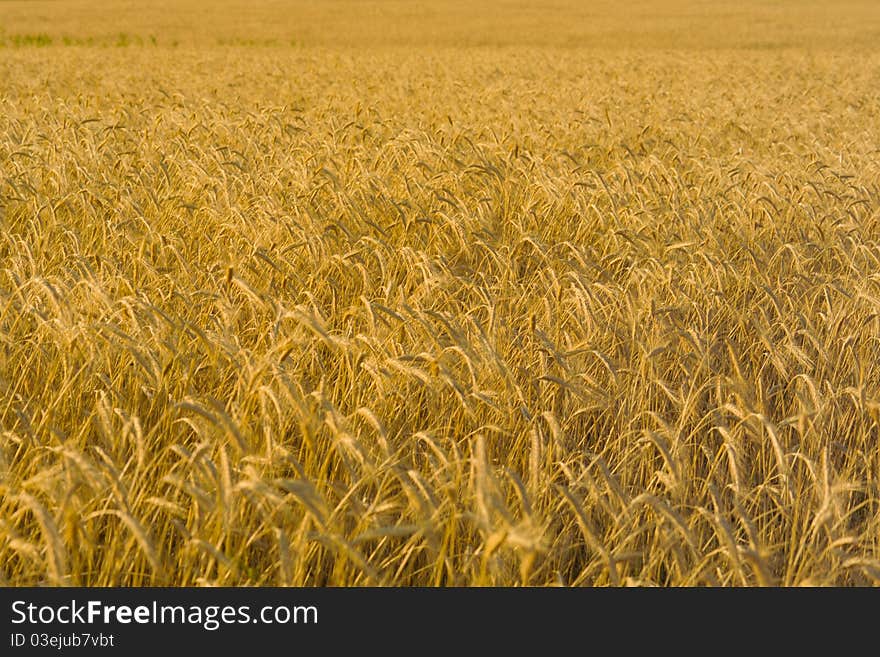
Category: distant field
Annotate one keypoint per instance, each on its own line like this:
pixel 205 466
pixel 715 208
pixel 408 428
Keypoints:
pixel 677 24
pixel 439 293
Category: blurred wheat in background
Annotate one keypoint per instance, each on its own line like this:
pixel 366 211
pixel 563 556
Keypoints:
pixel 439 293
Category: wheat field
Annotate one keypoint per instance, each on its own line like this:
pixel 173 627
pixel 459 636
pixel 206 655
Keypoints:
pixel 389 293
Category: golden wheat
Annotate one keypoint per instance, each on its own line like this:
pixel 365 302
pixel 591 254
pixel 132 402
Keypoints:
pixel 393 315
